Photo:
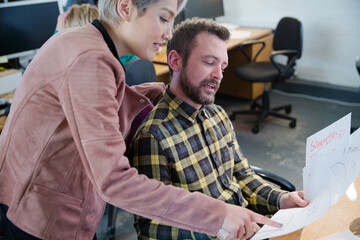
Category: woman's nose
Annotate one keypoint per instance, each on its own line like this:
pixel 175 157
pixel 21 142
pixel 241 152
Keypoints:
pixel 168 33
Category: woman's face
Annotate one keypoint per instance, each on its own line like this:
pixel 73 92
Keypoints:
pixel 147 33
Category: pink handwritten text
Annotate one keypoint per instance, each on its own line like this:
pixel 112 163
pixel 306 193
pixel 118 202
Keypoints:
pixel 318 144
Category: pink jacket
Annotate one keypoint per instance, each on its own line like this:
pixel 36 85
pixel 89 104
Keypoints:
pixel 62 148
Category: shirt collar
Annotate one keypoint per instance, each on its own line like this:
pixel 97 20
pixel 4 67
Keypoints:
pixel 183 108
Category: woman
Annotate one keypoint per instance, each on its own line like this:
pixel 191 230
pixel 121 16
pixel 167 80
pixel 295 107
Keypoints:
pixel 62 147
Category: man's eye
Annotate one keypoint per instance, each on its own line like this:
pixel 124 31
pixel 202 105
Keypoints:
pixel 209 63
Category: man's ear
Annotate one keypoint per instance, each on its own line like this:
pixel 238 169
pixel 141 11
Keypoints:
pixel 124 8
pixel 175 61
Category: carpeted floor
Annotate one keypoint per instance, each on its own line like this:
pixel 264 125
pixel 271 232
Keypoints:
pixel 276 147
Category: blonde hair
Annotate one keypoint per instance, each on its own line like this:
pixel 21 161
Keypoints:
pixel 107 9
pixel 80 15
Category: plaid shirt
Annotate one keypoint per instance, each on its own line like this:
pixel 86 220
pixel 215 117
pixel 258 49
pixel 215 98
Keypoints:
pixel 196 150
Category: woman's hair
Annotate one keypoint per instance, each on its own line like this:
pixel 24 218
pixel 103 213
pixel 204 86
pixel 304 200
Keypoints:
pixel 107 8
pixel 80 15
pixel 184 34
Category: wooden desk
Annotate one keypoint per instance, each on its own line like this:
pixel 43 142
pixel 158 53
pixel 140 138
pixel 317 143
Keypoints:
pixel 231 85
pixel 336 219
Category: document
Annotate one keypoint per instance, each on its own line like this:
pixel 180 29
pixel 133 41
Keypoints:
pixel 332 164
pixel 239 34
pixel 325 160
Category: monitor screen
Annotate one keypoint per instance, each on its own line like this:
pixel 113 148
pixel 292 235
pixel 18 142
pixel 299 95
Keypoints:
pixel 26 25
pixel 204 9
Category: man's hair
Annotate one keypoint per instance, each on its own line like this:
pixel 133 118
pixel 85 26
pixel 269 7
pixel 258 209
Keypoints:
pixel 183 40
pixel 80 15
pixel 107 9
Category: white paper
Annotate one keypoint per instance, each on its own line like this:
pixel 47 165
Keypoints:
pixel 239 34
pixel 229 26
pixel 332 164
pixel 294 219
pixel 330 139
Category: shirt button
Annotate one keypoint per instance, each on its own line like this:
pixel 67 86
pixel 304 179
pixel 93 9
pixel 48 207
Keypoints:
pixel 224 181
pixel 142 101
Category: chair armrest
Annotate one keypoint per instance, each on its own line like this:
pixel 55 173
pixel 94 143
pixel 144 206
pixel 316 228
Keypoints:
pixel 273 178
pixel 292 56
pixel 251 42
pixel 160 63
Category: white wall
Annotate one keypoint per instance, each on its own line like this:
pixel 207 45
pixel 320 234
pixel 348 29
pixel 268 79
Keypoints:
pixel 331 30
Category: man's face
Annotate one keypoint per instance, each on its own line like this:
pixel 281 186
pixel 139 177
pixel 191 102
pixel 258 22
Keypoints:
pixel 201 77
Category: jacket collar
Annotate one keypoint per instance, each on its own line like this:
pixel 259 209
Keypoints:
pixel 96 23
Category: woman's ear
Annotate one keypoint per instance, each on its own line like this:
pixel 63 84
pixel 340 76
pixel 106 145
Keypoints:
pixel 175 61
pixel 124 8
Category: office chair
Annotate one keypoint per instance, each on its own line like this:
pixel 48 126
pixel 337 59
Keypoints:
pixel 357 64
pixel 287 42
pixel 281 182
pixel 137 71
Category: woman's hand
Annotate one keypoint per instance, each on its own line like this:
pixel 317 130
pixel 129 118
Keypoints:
pixel 241 223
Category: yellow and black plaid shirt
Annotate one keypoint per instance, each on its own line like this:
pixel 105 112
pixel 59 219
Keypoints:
pixel 196 150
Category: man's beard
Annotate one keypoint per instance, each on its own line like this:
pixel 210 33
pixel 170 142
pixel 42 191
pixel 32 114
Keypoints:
pixel 195 92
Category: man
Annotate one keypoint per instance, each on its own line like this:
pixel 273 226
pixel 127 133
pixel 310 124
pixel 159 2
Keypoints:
pixel 189 142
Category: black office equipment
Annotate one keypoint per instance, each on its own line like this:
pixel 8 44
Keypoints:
pixel 139 71
pixel 357 64
pixel 287 42
pixel 274 179
pixel 26 25
pixel 201 8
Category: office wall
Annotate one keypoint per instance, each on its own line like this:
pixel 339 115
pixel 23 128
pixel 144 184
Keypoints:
pixel 331 31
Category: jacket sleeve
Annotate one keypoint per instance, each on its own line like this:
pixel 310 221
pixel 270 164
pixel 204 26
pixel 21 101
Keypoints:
pixel 90 99
pixel 153 91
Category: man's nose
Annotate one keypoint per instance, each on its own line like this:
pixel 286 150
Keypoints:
pixel 217 74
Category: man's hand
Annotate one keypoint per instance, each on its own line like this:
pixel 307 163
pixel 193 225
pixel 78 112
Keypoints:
pixel 293 199
pixel 241 223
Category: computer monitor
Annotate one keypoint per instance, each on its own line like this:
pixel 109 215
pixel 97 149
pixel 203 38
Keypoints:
pixel 202 8
pixel 26 25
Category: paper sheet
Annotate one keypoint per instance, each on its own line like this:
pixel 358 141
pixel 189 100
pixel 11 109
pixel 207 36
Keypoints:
pixel 332 164
pixel 331 139
pixel 296 218
pixel 239 34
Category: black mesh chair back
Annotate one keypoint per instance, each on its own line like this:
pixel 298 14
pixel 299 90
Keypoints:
pixel 288 35
pixel 139 71
pixel 287 42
